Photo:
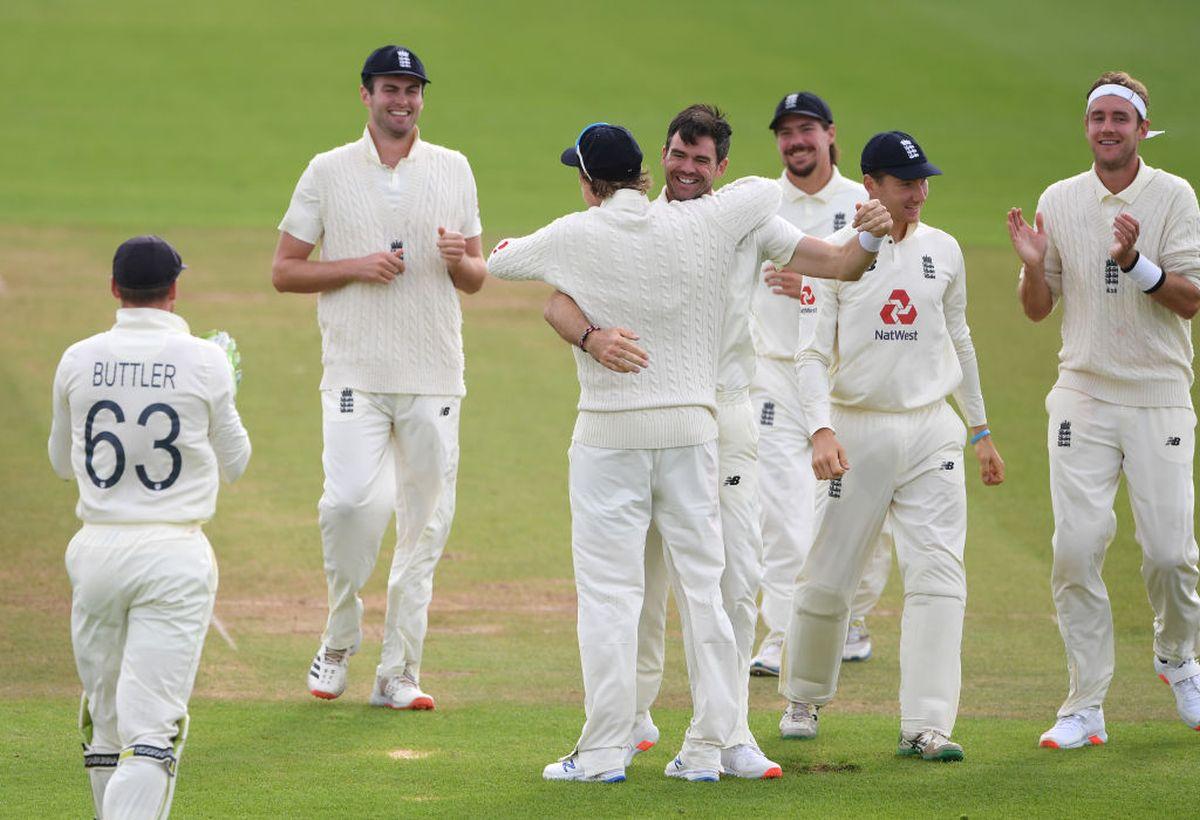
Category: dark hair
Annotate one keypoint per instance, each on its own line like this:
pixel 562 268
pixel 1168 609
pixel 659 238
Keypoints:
pixel 1123 78
pixel 139 296
pixel 603 188
pixel 702 120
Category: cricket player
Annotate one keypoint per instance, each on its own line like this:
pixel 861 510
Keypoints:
pixel 397 219
pixel 1119 244
pixel 144 421
pixel 820 201
pixel 644 449
pixel 694 156
pixel 874 378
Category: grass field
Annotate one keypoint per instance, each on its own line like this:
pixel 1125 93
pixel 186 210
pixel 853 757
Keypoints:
pixel 129 117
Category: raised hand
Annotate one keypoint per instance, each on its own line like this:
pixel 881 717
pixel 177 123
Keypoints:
pixel 1125 235
pixel 1030 244
pixel 872 218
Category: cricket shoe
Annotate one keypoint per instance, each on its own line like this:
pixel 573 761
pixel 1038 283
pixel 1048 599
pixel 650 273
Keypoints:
pixel 327 675
pixel 400 692
pixel 642 738
pixel 747 760
pixel 1184 680
pixel 1085 728
pixel 766 662
pixel 676 768
pixel 568 768
pixel 799 721
pixel 930 745
pixel 858 642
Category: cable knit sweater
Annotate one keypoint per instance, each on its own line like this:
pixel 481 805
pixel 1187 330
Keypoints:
pixel 1119 345
pixel 661 268
pixel 406 336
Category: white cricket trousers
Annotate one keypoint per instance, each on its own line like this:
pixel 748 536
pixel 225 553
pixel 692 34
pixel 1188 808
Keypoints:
pixel 386 452
pixel 908 465
pixel 737 493
pixel 141 600
pixel 787 489
pixel 1091 443
pixel 615 496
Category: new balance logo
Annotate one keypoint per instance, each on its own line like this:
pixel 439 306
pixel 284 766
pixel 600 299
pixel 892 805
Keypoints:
pixel 1064 434
pixel 346 403
pixel 1110 276
pixel 767 419
pixel 1173 441
pixel 947 465
pixel 910 149
pixel 839 220
pixel 898 309
pixel 446 410
pixel 835 488
pixel 927 267
pixel 733 480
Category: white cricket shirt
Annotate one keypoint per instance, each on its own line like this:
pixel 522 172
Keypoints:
pixel 897 339
pixel 144 420
pixel 781 324
pixel 661 268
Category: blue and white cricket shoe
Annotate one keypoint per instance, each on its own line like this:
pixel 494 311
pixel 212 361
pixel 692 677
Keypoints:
pixel 568 768
pixel 676 768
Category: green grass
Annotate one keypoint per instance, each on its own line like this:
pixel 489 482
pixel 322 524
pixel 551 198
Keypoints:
pixel 127 117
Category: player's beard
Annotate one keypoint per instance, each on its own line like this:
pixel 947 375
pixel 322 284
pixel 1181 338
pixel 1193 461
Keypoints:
pixel 1122 162
pixel 801 165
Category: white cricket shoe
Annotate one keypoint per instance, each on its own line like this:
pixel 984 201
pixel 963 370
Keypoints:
pixel 642 738
pixel 930 745
pixel 400 692
pixel 747 760
pixel 858 642
pixel 327 675
pixel 766 662
pixel 676 769
pixel 568 768
pixel 1085 728
pixel 1184 680
pixel 799 721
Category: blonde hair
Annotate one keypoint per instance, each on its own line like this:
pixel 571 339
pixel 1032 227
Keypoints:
pixel 1123 78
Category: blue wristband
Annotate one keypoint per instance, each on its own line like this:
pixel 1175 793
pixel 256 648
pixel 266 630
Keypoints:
pixel 984 433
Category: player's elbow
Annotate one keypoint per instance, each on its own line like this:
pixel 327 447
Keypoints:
pixel 279 276
pixel 1191 304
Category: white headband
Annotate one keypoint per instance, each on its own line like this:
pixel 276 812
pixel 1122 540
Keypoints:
pixel 1134 98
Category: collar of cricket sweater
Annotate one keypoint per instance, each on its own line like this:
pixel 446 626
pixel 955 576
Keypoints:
pixel 1128 195
pixel 372 153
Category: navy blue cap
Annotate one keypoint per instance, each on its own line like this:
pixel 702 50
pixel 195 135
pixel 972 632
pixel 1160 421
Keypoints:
pixel 606 152
pixel 897 153
pixel 146 263
pixel 802 104
pixel 393 60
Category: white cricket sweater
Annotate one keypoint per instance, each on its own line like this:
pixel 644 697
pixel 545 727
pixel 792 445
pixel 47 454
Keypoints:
pixel 781 324
pixel 144 420
pixel 897 339
pixel 406 336
pixel 1119 345
pixel 658 267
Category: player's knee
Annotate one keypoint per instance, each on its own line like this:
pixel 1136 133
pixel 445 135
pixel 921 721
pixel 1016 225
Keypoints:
pixel 942 579
pixel 1167 563
pixel 822 601
pixel 1081 539
pixel 351 504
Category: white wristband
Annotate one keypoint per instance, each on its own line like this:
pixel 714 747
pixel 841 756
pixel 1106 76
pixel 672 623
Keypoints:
pixel 870 244
pixel 1145 274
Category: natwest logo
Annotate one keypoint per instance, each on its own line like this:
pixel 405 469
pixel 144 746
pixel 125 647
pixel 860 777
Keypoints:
pixel 807 297
pixel 898 309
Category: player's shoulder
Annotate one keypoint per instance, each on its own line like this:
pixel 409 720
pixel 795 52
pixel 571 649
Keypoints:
pixel 335 155
pixel 448 157
pixel 932 237
pixel 1066 187
pixel 84 347
pixel 1172 183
